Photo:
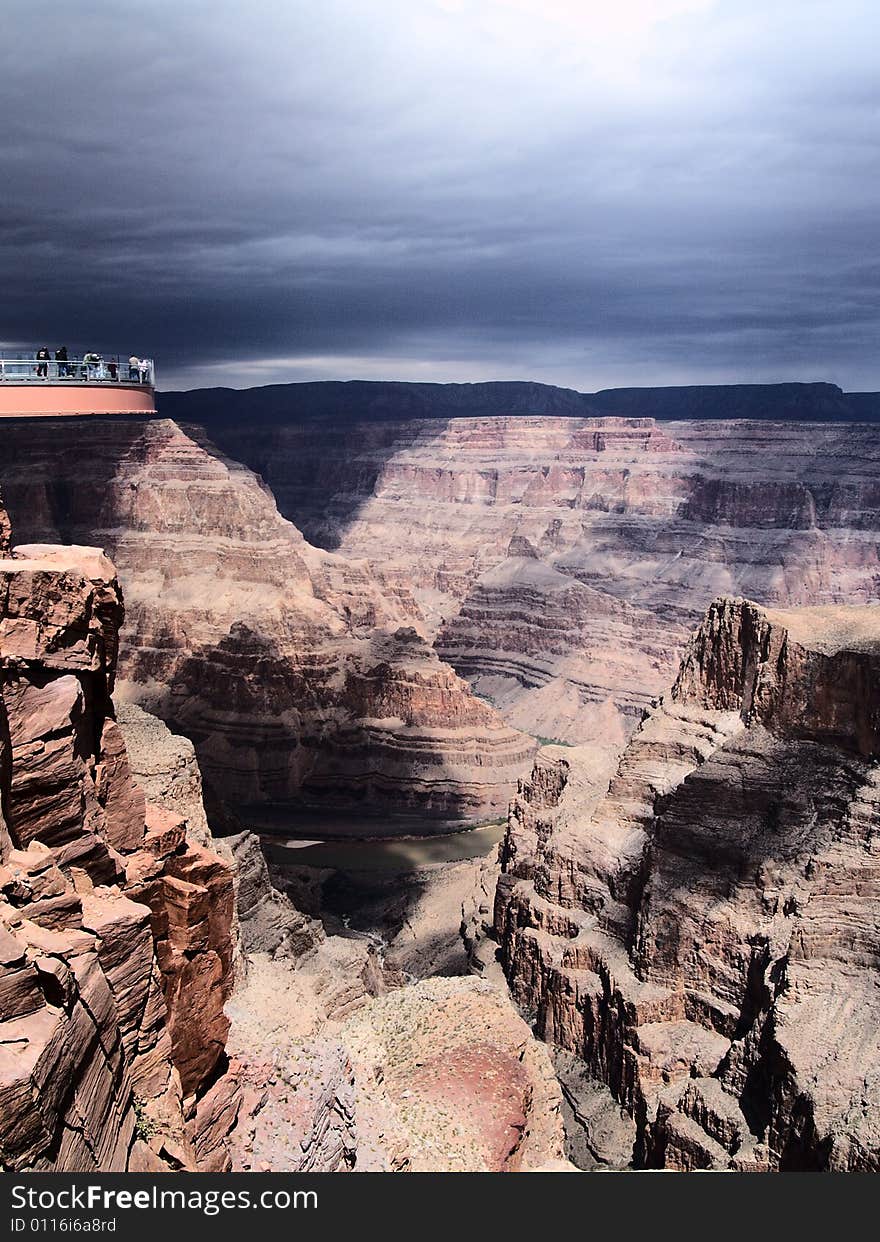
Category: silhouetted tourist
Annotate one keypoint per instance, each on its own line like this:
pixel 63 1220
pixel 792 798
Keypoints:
pixel 61 359
pixel 43 357
pixel 113 370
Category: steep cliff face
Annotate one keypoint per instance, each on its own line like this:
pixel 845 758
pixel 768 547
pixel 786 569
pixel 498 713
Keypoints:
pixel 297 674
pixel 557 563
pixel 703 932
pixel 118 943
pixel 164 765
pixel 115 931
pixel 561 562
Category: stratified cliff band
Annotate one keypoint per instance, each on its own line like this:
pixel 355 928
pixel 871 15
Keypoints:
pixel 123 930
pixel 561 562
pixel 705 932
pixel 115 929
pixel 687 906
pixel 296 674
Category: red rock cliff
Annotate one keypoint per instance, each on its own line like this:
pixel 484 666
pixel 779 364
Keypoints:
pixel 704 932
pixel 115 952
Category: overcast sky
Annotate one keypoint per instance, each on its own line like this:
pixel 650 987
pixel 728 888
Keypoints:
pixel 589 194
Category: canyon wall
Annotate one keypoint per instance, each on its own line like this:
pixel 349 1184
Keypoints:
pixel 555 563
pixel 693 921
pixel 561 562
pixel 115 928
pixel 121 927
pixel 702 930
pixel 299 675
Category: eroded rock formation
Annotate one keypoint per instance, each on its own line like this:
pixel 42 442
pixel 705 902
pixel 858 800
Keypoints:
pixel 702 931
pixel 562 562
pixel 344 1068
pixel 299 675
pixel 449 1071
pixel 117 944
pixel 694 923
pixel 556 563
pixel 164 765
pixel 115 930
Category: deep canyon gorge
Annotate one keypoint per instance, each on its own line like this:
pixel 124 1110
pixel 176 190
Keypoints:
pixel 642 654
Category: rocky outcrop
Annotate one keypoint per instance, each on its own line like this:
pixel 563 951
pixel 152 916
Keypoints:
pixel 344 1068
pixel 115 930
pixel 448 1072
pixel 557 562
pixel 702 932
pixel 268 920
pixel 164 765
pixel 561 562
pixel 298 1112
pixel 300 676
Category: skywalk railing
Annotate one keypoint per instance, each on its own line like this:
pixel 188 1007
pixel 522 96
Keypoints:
pixel 90 369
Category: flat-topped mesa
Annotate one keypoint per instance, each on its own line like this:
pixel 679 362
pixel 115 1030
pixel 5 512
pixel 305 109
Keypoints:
pixel 811 673
pixel 704 933
pixel 611 432
pixel 115 930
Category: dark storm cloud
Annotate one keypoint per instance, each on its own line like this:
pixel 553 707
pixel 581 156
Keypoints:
pixel 454 189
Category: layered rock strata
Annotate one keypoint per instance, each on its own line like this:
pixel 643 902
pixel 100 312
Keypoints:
pixel 298 675
pixel 702 932
pixel 117 951
pixel 562 561
pixel 345 1069
pixel 558 563
pixel 164 765
pixel 115 930
pixel 298 1111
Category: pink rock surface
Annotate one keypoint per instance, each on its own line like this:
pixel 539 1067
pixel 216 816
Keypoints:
pixel 562 562
pixel 704 931
pixel 297 673
pixel 115 945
